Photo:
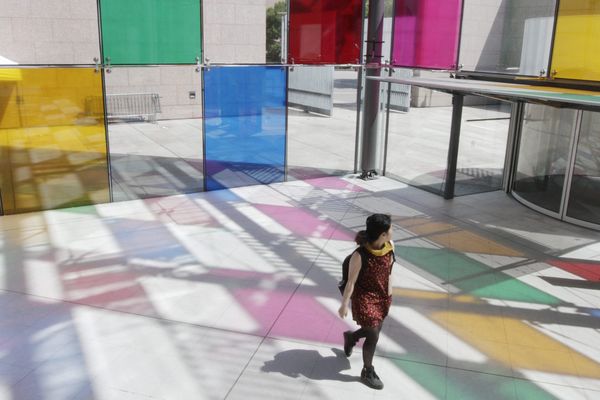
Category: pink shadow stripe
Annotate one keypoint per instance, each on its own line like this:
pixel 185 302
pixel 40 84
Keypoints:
pixel 306 224
pixel 306 319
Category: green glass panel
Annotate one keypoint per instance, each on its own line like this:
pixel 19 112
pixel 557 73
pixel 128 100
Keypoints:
pixel 473 277
pixel 151 31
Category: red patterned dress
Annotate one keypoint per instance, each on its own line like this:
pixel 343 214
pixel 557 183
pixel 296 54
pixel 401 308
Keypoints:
pixel 370 299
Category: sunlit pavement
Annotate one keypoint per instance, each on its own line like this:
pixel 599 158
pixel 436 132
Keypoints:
pixel 232 295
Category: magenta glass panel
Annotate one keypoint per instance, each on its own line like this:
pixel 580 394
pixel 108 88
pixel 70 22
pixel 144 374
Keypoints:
pixel 426 33
pixel 325 31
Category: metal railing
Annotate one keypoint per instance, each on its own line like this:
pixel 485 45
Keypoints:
pixel 141 106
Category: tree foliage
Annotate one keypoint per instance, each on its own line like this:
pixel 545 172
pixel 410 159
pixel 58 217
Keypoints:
pixel 274 31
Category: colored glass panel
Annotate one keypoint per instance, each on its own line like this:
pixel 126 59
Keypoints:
pixel 426 33
pixel 52 139
pixel 151 31
pixel 245 126
pixel 576 53
pixel 325 31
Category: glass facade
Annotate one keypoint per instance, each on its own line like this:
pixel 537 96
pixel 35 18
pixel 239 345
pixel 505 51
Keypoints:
pixel 151 31
pixel 509 37
pixel 426 33
pixel 321 121
pixel 544 152
pixel 576 52
pixel 482 146
pixel 419 139
pixel 245 126
pixel 155 130
pixel 52 139
pixel 325 31
pixel 585 185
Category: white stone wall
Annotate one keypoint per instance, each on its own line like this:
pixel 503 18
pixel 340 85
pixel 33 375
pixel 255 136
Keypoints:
pixel 235 31
pixel 48 32
pixel 172 83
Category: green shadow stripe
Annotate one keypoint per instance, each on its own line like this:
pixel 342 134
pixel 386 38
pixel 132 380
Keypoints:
pixel 473 277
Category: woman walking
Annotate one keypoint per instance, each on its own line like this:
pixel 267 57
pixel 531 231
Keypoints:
pixel 369 287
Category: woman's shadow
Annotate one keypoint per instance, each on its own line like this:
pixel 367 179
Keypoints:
pixel 311 364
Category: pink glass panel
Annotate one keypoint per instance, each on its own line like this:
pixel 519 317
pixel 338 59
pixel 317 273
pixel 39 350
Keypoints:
pixel 325 31
pixel 426 33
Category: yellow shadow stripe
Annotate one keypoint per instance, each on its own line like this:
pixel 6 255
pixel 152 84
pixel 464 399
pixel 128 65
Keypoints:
pixel 437 296
pixel 455 238
pixel 527 347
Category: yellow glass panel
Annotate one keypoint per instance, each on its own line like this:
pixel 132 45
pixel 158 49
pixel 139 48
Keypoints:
pixel 52 139
pixel 576 52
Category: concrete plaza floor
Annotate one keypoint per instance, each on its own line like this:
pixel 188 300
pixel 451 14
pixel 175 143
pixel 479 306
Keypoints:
pixel 232 295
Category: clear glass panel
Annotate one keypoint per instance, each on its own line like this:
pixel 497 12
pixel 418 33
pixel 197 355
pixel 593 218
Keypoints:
pixel 322 121
pixel 325 31
pixel 245 126
pixel 52 139
pixel 543 155
pixel 235 32
pixel 155 130
pixel 426 33
pixel 576 52
pixel 482 146
pixel 151 31
pixel 510 37
pixel 49 32
pixel 585 188
pixel 418 140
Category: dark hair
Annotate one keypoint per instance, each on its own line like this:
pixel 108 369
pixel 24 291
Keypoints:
pixel 376 225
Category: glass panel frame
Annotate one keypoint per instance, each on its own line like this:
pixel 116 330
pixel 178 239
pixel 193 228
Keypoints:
pixel 584 190
pixel 325 31
pixel 426 33
pixel 157 33
pixel 576 51
pixel 517 41
pixel 245 125
pixel 543 157
pixel 155 131
pixel 418 141
pixel 322 114
pixel 485 128
pixel 53 139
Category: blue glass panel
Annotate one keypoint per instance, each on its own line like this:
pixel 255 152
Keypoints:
pixel 245 126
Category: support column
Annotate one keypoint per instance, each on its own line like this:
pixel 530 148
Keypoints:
pixel 457 107
pixel 372 138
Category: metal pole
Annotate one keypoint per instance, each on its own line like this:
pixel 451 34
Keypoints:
pixel 283 46
pixel 372 140
pixel 457 107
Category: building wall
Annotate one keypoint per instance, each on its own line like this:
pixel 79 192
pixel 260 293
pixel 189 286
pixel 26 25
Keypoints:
pixel 235 31
pixel 48 32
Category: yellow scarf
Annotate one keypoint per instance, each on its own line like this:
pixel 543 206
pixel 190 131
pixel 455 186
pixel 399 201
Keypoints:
pixel 387 247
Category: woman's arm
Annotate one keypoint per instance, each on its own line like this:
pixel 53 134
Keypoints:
pixel 353 270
